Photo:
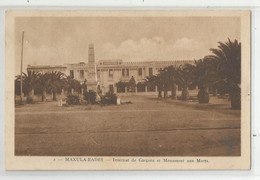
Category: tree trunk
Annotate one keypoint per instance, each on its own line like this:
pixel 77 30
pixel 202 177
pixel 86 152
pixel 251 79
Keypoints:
pixel 29 98
pixel 54 96
pixel 235 97
pixel 159 93
pixel 44 96
pixel 165 93
pixel 174 91
pixel 203 95
pixel 185 94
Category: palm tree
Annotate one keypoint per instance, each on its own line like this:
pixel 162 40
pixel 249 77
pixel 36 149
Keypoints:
pixel 30 81
pixel 164 79
pixel 184 78
pixel 73 84
pixel 171 80
pixel 228 55
pixel 155 80
pixel 44 82
pixel 57 81
pixel 204 77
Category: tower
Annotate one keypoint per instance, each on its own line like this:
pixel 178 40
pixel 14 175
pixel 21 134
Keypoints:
pixel 92 72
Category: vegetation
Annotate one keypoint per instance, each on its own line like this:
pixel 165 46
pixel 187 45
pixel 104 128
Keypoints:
pixel 90 96
pixel 73 99
pixel 218 73
pixel 228 57
pixel 109 98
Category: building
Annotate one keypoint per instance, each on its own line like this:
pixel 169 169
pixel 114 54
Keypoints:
pixel 104 74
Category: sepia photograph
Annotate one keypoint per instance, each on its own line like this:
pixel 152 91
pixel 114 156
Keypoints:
pixel 128 84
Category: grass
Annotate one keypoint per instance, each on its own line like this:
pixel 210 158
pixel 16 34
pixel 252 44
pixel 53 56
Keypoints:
pixel 147 127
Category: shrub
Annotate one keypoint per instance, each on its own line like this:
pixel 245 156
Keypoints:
pixel 109 98
pixel 29 100
pixel 90 96
pixel 73 99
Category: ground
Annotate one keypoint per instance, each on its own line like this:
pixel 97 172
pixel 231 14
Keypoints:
pixel 147 127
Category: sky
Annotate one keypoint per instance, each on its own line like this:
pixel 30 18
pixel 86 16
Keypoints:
pixel 61 40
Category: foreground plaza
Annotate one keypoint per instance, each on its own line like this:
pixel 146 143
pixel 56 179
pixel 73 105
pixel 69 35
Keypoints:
pixel 147 126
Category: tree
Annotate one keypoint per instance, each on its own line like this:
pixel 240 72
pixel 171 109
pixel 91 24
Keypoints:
pixel 155 80
pixel 228 56
pixel 184 79
pixel 57 81
pixel 204 77
pixel 132 84
pixel 43 85
pixel 73 84
pixel 30 81
pixel 170 80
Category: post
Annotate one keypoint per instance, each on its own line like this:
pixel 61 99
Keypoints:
pixel 136 89
pixel 156 88
pixel 21 97
pixel 125 89
pixel 145 88
pixel 72 91
pixel 62 92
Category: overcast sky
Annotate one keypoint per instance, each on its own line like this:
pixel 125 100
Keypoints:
pixel 55 41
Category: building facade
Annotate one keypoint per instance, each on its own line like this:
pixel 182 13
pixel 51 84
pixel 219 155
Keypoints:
pixel 105 74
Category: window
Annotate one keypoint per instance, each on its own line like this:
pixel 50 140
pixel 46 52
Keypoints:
pixel 140 72
pixel 72 74
pixel 150 71
pixel 125 72
pixel 81 75
pixel 110 72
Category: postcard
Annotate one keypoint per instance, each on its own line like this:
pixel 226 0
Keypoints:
pixel 127 90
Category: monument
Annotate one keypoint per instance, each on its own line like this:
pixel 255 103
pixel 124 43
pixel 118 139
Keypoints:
pixel 92 72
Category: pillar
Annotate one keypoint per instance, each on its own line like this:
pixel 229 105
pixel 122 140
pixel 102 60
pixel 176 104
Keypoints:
pixel 125 89
pixel 136 89
pixel 156 88
pixel 115 89
pixel 145 88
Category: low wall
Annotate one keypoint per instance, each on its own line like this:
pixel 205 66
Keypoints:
pixel 191 92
